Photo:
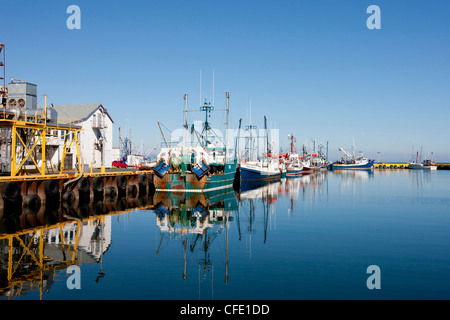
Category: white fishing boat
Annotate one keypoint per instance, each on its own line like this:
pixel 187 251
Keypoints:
pixel 426 164
pixel 294 166
pixel 292 161
pixel 352 162
pixel 429 165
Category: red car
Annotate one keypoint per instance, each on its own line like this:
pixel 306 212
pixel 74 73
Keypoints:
pixel 119 164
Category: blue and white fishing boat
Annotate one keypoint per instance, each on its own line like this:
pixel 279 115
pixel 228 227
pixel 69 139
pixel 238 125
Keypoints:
pixel 266 168
pixel 352 162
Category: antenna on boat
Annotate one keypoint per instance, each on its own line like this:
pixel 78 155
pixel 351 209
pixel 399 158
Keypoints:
pixel 186 109
pixel 267 135
pixel 327 151
pixel 200 87
pixel 213 89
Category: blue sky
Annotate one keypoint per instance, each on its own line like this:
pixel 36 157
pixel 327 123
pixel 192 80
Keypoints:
pixel 312 67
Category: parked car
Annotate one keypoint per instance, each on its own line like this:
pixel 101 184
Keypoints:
pixel 119 164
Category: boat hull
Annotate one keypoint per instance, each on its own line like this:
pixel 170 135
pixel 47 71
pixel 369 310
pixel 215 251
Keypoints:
pixel 307 169
pixel 252 174
pixel 291 173
pixel 345 166
pixel 422 167
pixel 188 182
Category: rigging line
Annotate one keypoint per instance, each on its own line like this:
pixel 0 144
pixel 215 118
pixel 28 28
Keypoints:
pixel 165 127
pixel 217 136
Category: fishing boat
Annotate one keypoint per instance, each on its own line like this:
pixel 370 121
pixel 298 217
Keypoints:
pixel 426 164
pixel 352 162
pixel 313 161
pixel 429 164
pixel 294 166
pixel 200 167
pixel 266 168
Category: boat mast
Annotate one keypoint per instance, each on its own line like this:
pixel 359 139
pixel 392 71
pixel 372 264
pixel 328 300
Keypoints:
pixel 207 107
pixel 292 138
pixel 267 138
pixel 227 94
pixel 267 135
pixel 236 146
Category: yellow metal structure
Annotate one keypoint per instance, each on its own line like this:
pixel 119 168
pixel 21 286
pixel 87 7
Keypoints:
pixel 30 136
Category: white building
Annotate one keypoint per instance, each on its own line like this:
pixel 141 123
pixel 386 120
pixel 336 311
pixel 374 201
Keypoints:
pixel 95 139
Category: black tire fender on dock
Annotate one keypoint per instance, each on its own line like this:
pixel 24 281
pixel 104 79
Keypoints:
pixel 111 193
pixel 151 188
pixel 97 208
pixel 143 180
pixel 32 202
pixel 51 187
pixel 11 191
pixel 122 182
pixel 83 184
pixel 69 198
pixel 98 184
pixel 83 211
pixel 132 191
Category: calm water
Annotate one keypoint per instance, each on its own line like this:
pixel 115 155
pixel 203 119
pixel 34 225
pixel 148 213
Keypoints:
pixel 311 237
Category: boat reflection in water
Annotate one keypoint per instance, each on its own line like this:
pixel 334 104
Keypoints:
pixel 193 212
pixel 350 176
pixel 198 219
pixel 38 245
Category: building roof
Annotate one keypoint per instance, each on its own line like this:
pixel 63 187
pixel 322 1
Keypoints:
pixel 79 111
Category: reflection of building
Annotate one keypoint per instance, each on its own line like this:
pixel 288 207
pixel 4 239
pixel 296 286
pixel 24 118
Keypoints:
pixel 92 241
pixel 29 259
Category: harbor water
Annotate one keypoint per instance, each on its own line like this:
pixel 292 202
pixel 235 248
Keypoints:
pixel 309 237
